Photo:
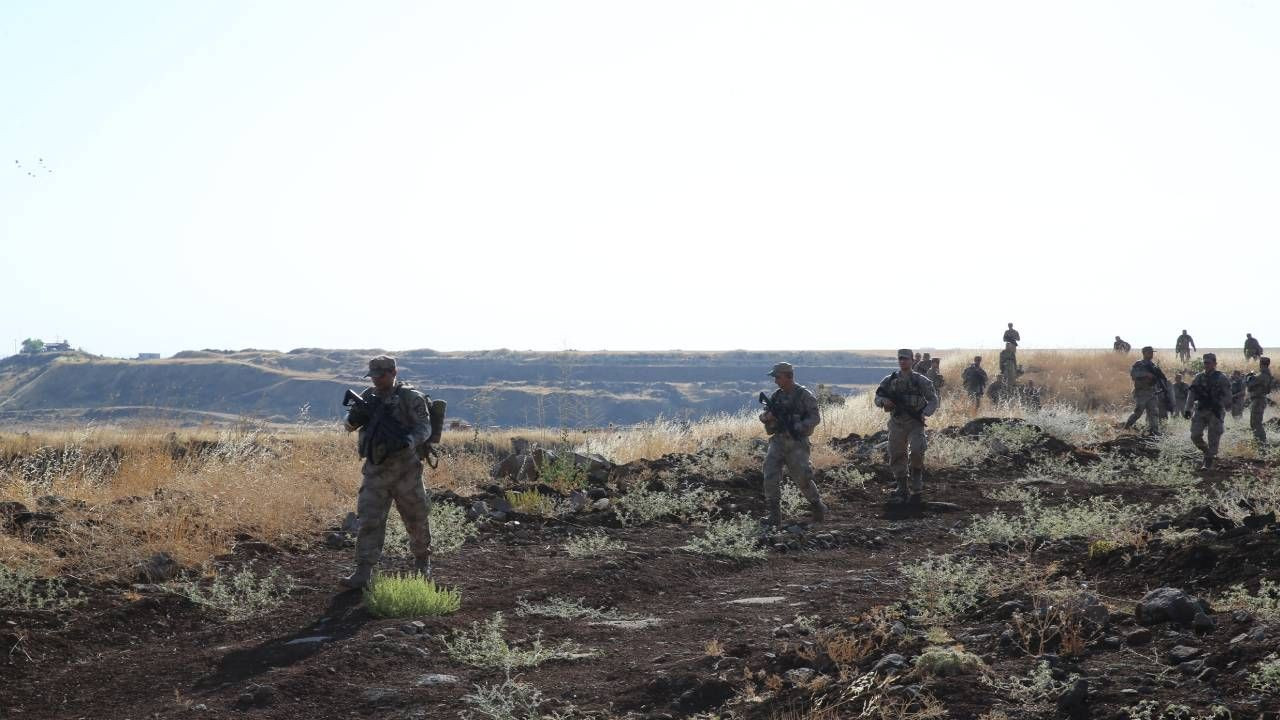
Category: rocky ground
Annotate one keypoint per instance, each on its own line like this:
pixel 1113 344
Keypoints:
pixel 825 626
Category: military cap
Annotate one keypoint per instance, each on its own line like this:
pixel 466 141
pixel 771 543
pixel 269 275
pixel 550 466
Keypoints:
pixel 1211 356
pixel 782 367
pixel 380 365
pixel 906 353
pixel 1148 348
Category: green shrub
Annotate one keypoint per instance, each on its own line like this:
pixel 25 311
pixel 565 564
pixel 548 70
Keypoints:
pixel 566 609
pixel 240 595
pixel 848 477
pixel 943 587
pixel 1265 605
pixel 592 544
pixel 793 502
pixel 449 531
pixel 509 700
pixel 531 502
pixel 1266 676
pixel 1010 437
pixel 737 537
pixel 484 645
pixel 24 591
pixel 948 662
pixel 563 474
pixel 409 595
pixel 1095 518
pixel 640 505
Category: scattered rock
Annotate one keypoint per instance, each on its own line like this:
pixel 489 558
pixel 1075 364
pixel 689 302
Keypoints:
pixel 800 676
pixel 338 540
pixel 1257 522
pixel 1207 675
pixel 380 696
pixel 1074 699
pixel 601 504
pixel 1141 636
pixel 256 696
pixel 309 640
pixel 890 663
pixel 1183 653
pixel 1191 667
pixel 158 568
pixel 1007 609
pixel 1203 623
pixel 1168 604
pixel 769 600
pixel 431 679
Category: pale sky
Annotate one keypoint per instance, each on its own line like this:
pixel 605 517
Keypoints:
pixel 637 175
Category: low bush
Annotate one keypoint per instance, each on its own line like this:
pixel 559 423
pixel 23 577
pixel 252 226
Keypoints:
pixel 563 474
pixel 736 537
pixel 240 595
pixel 948 662
pixel 409 595
pixel 943 587
pixel 566 609
pixel 640 505
pixel 593 544
pixel 20 590
pixel 484 645
pixel 449 527
pixel 1093 519
pixel 1265 604
pixel 848 478
pixel 1266 676
pixel 531 502
pixel 509 700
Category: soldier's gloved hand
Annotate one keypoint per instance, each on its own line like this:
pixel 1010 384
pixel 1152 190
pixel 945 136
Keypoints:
pixel 1186 414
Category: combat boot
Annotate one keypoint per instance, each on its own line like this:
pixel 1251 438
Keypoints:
pixel 774 510
pixel 359 578
pixel 423 567
pixel 817 512
pixel 1208 463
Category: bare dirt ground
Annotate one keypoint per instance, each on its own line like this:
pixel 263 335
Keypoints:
pixel 140 651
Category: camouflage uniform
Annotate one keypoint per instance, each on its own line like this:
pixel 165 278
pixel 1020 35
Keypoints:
pixel 907 440
pixel 1012 336
pixel 1009 365
pixel 1260 386
pixel 1121 346
pixel 397 476
pixel 975 381
pixel 1183 347
pixel 1252 348
pixel 1144 395
pixel 1179 395
pixel 923 365
pixel 1215 389
pixel 786 451
pixel 935 376
pixel 1237 395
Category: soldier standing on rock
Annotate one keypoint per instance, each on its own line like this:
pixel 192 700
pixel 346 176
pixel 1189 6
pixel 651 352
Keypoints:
pixel 393 422
pixel 1208 398
pixel 1184 345
pixel 1147 378
pixel 1260 386
pixel 909 398
pixel 792 415
pixel 975 381
pixel 1011 335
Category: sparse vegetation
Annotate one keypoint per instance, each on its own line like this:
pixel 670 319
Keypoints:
pixel 736 537
pixel 409 595
pixel 1265 604
pixel 508 700
pixel 485 645
pixel 449 527
pixel 641 506
pixel 943 586
pixel 1265 676
pixel 20 590
pixel 239 595
pixel 593 544
pixel 567 609
pixel 948 662
pixel 1093 519
pixel 531 502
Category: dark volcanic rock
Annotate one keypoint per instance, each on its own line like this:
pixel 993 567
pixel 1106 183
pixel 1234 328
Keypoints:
pixel 1168 604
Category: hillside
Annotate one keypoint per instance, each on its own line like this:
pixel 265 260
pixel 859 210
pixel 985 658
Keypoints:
pixel 499 387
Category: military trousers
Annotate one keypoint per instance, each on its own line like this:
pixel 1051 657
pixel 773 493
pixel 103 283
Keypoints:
pixel 1203 420
pixel 1149 404
pixel 1256 407
pixel 975 394
pixel 907 443
pixel 793 455
pixel 397 479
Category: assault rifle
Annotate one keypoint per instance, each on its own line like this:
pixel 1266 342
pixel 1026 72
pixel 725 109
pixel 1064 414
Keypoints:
pixel 382 432
pixel 782 416
pixel 1162 382
pixel 1203 394
pixel 900 403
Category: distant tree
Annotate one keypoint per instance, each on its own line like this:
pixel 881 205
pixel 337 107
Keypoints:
pixel 32 345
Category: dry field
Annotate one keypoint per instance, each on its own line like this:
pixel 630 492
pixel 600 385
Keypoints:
pixel 1009 597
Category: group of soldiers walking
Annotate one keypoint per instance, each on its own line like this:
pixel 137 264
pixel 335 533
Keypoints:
pixel 396 430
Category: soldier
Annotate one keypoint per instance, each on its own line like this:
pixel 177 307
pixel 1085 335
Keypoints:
pixel 789 429
pixel 1179 392
pixel 934 373
pixel 1184 346
pixel 1009 364
pixel 1260 386
pixel 1012 336
pixel 923 365
pixel 1252 348
pixel 975 381
pixel 916 361
pixel 1031 395
pixel 1207 399
pixel 1147 379
pixel 393 423
pixel 909 398
pixel 1237 394
pixel 995 392
pixel 1121 346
